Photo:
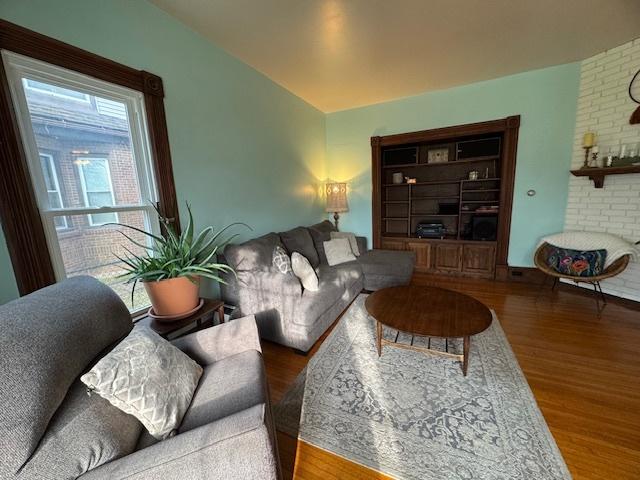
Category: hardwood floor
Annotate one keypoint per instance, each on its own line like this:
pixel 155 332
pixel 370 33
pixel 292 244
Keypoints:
pixel 584 373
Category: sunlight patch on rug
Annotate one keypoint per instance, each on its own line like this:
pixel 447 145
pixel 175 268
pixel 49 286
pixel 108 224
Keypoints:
pixel 415 416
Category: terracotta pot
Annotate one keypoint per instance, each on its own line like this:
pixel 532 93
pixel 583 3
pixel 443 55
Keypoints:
pixel 173 296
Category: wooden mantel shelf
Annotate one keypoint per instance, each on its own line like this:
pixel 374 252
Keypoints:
pixel 598 174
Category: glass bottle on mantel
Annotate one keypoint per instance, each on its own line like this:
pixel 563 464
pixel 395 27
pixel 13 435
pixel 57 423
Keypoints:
pixel 608 162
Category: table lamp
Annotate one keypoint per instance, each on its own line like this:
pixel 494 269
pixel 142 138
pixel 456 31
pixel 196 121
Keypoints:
pixel 336 200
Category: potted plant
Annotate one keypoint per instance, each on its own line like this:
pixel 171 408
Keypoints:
pixel 173 264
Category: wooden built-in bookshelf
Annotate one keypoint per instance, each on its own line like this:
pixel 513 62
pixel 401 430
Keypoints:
pixel 443 190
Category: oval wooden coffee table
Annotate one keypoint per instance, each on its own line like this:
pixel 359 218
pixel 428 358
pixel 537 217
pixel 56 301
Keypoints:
pixel 428 312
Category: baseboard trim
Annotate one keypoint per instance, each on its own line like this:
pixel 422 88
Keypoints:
pixel 505 273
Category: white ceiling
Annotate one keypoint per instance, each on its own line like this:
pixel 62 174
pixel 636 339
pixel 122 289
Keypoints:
pixel 338 54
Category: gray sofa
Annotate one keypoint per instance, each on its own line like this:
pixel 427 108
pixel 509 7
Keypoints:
pixel 286 313
pixel 51 429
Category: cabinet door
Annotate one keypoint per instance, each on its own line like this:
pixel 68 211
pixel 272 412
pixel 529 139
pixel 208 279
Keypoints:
pixel 423 254
pixel 392 245
pixel 479 259
pixel 448 257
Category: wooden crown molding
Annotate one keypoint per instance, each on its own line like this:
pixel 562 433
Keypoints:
pixel 479 128
pixel 35 45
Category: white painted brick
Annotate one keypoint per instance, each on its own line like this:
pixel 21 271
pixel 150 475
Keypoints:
pixel 604 107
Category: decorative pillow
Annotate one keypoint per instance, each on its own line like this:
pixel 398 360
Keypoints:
pixel 281 260
pixel 299 240
pixel 304 271
pixel 338 251
pixel 352 241
pixel 576 263
pixel 147 377
pixel 320 233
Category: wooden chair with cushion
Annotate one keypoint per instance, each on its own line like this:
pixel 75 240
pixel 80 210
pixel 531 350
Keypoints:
pixel 617 267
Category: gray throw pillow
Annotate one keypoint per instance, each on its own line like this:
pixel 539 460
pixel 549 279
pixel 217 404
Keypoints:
pixel 338 251
pixel 304 271
pixel 85 432
pixel 320 232
pixel 281 260
pixel 147 377
pixel 299 240
pixel 353 243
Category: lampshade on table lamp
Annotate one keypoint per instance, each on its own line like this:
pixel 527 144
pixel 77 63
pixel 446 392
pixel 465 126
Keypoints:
pixel 336 200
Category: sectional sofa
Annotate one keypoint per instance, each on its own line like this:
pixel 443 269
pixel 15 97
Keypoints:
pixel 284 311
pixel 51 429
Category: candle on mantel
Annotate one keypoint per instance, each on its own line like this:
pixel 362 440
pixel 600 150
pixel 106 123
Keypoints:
pixel 588 140
pixel 623 151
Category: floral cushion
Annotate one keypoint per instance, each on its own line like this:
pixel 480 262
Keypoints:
pixel 576 263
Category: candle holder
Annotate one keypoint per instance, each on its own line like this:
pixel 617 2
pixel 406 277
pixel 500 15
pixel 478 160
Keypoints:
pixel 587 150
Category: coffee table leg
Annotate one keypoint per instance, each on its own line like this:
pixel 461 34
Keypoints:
pixel 379 337
pixel 465 355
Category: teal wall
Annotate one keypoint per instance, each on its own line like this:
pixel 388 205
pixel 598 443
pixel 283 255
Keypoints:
pixel 243 148
pixel 546 99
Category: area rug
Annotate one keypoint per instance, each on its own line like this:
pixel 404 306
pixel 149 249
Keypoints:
pixel 412 415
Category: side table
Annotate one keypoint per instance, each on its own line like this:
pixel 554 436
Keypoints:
pixel 203 318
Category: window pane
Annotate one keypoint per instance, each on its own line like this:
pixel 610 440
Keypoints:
pixel 60 222
pixel 99 199
pixel 96 175
pixel 102 218
pixel 85 140
pixel 88 250
pixel 54 89
pixel 54 200
pixel 45 163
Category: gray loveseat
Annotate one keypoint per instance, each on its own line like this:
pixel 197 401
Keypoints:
pixel 286 313
pixel 51 429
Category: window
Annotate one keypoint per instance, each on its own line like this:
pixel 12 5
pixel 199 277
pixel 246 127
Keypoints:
pixel 97 188
pixel 53 187
pixel 48 89
pixel 102 173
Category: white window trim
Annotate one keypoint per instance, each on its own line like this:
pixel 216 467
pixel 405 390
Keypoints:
pixel 18 67
pixel 54 173
pixel 86 98
pixel 85 193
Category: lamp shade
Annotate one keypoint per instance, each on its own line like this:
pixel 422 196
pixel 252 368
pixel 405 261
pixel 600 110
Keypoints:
pixel 336 197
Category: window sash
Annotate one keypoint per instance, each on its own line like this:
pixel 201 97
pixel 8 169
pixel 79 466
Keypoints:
pixel 82 169
pixel 18 67
pixel 56 183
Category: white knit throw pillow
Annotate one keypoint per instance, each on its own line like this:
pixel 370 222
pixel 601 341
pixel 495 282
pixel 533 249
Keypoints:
pixel 304 271
pixel 147 377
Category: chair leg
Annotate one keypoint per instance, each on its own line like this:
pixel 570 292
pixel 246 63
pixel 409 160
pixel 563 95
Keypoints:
pixel 600 297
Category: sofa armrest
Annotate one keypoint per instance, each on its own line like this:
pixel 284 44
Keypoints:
pixel 237 447
pixel 270 282
pixel 362 244
pixel 215 343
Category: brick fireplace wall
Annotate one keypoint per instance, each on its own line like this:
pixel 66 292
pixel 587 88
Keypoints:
pixel 604 107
